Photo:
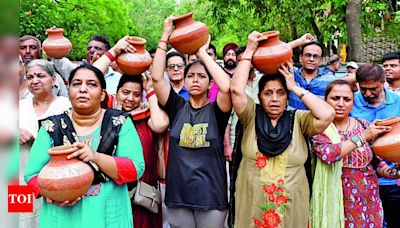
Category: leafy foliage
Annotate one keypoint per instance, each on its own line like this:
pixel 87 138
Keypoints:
pixel 228 20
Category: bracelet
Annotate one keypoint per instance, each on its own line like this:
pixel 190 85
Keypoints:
pixel 151 93
pixel 163 49
pixel 110 56
pixel 245 59
pixel 303 94
pixel 362 139
pixel 164 41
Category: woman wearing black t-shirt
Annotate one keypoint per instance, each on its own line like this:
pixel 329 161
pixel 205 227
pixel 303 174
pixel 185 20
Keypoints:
pixel 196 189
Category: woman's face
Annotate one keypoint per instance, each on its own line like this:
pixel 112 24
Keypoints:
pixel 273 99
pixel 341 98
pixel 39 81
pixel 129 96
pixel 85 92
pixel 197 81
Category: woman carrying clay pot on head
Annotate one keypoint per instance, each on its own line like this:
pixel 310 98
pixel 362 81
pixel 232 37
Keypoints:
pixel 271 186
pixel 106 139
pixel 196 188
pixel 350 158
pixel 148 119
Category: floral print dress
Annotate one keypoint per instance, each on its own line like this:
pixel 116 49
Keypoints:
pixel 273 192
pixel 362 205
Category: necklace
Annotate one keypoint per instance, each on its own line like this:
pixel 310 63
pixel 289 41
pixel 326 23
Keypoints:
pixel 347 128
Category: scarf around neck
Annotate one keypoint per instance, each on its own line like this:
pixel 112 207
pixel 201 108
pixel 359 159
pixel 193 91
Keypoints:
pixel 272 141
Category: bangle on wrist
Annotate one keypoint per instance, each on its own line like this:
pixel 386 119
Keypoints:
pixel 362 139
pixel 163 41
pixel 245 59
pixel 110 56
pixel 163 49
pixel 305 92
pixel 356 139
pixel 149 94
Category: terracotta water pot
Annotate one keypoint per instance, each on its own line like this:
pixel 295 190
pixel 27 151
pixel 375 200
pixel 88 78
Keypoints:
pixel 387 146
pixel 189 35
pixel 135 63
pixel 271 53
pixel 56 45
pixel 64 179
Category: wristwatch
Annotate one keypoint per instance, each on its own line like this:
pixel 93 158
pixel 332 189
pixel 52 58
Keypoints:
pixel 356 140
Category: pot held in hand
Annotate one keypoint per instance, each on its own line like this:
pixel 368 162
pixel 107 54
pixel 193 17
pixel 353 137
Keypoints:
pixel 271 53
pixel 64 179
pixel 137 62
pixel 387 146
pixel 189 35
pixel 56 45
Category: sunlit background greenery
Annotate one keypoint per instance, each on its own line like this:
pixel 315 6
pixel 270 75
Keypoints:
pixel 228 20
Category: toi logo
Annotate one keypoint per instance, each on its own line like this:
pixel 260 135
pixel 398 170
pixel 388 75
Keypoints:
pixel 20 198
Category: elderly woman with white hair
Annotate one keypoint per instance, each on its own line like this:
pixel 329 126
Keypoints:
pixel 40 79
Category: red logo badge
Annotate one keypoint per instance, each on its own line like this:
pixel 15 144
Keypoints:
pixel 20 198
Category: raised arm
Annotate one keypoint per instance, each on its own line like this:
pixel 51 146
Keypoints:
pixel 241 75
pixel 161 86
pixel 123 44
pixel 306 38
pixel 158 121
pixel 322 112
pixel 220 77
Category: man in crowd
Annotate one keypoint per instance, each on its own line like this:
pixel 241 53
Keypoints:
pixel 192 58
pixel 374 102
pixel 228 53
pixel 212 51
pixel 333 65
pixel 176 63
pixel 30 49
pixel 391 66
pixel 309 76
pixel 96 47
pixel 351 67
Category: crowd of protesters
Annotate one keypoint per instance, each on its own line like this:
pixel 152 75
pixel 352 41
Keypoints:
pixel 226 145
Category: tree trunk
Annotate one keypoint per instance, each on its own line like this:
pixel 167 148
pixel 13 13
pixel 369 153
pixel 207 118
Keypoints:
pixel 353 12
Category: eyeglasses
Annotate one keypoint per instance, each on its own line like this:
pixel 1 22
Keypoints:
pixel 179 66
pixel 315 56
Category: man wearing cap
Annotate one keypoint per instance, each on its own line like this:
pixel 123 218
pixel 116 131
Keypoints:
pixel 391 66
pixel 228 53
pixel 333 65
pixel 30 49
pixel 351 67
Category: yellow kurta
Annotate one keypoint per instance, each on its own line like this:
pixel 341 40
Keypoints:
pixel 288 167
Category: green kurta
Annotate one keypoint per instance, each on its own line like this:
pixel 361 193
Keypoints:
pixel 259 174
pixel 111 207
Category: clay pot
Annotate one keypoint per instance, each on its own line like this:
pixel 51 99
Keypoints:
pixel 56 45
pixel 135 63
pixel 387 146
pixel 189 35
pixel 271 53
pixel 62 179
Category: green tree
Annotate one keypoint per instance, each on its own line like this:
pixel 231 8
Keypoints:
pixel 79 19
